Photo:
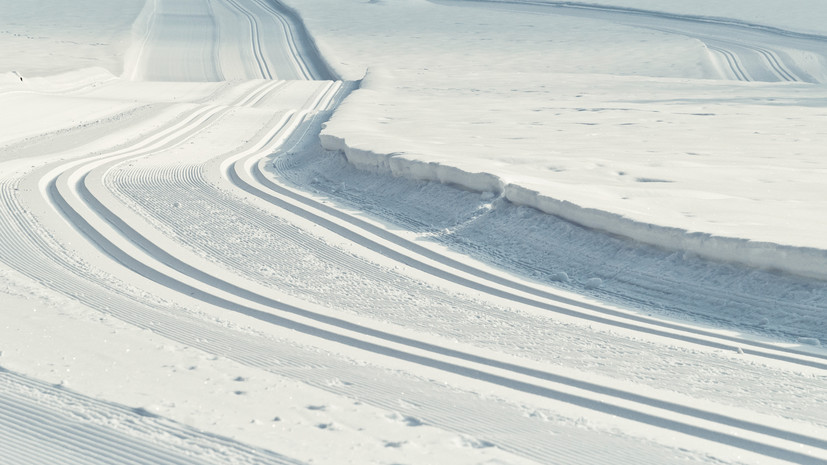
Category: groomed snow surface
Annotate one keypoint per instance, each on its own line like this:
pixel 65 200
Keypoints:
pixel 410 232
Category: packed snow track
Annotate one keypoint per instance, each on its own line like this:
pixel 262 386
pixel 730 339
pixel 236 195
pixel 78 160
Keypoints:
pixel 167 201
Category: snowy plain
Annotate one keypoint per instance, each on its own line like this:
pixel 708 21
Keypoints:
pixel 188 276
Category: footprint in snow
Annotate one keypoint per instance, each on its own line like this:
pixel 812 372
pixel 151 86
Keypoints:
pixel 474 443
pixel 408 420
pixel 411 421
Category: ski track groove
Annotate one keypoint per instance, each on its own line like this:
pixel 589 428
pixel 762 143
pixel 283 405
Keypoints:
pixel 774 64
pixel 730 22
pixel 96 205
pixel 253 217
pixel 200 342
pixel 180 182
pixel 72 188
pixel 733 63
pixel 255 39
pixel 282 193
pixel 777 66
pixel 212 343
pixel 289 36
pixel 237 346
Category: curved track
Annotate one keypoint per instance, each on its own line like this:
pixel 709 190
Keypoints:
pixel 211 40
pixel 78 191
pixel 182 207
pixel 743 51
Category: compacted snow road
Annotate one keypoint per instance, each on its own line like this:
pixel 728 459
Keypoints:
pixel 154 213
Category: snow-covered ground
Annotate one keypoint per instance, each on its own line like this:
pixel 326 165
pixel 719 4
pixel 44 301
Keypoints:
pixel 187 276
pixel 641 125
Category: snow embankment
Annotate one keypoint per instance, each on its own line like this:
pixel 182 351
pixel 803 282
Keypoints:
pixel 616 124
pixel 634 159
pixel 401 166
pixel 804 261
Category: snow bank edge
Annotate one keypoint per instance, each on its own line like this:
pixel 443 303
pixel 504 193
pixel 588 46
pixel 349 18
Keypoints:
pixel 396 164
pixel 802 261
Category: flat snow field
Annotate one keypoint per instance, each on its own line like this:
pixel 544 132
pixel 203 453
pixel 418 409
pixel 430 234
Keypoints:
pixel 412 232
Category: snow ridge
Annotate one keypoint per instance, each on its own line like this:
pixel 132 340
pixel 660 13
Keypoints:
pixel 803 261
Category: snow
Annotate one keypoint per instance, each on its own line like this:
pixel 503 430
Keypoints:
pixel 188 276
pixel 591 127
pixel 47 37
pixel 805 16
